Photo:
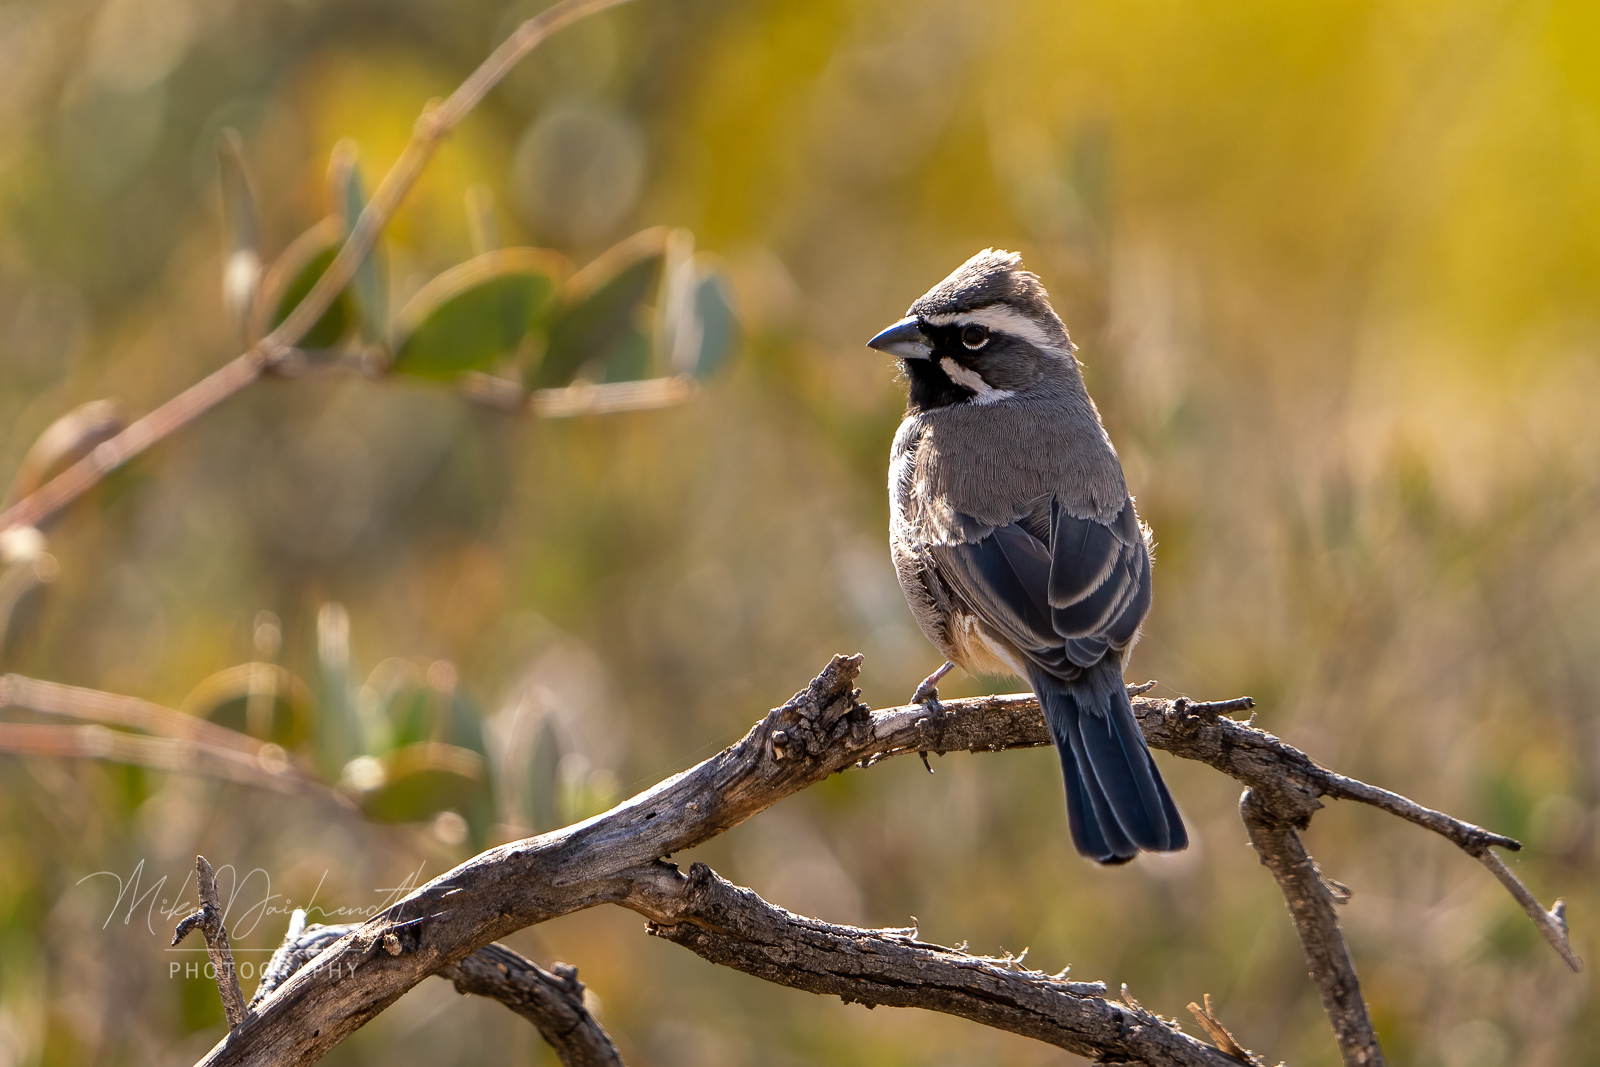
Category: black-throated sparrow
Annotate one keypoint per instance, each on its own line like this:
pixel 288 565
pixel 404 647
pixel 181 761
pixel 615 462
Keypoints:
pixel 1015 539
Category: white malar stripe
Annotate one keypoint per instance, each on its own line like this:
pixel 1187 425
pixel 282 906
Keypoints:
pixel 1001 318
pixel 987 394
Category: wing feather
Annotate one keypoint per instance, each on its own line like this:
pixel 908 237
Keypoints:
pixel 1064 605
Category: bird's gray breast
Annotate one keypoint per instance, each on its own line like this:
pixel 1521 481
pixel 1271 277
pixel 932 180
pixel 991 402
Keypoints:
pixel 957 472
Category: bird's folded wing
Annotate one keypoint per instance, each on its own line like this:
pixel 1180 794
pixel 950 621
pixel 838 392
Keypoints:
pixel 1065 604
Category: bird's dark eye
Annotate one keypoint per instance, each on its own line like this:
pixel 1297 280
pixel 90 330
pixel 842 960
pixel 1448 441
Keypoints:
pixel 975 336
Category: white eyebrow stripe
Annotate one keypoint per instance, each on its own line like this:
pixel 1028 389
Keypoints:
pixel 986 393
pixel 1002 318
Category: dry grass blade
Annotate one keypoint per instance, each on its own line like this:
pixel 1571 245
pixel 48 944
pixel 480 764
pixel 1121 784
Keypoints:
pixel 53 698
pixel 1219 1034
pixel 160 754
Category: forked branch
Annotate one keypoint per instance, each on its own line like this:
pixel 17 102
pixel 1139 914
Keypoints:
pixel 553 1002
pixel 734 927
pixel 613 858
pixel 208 920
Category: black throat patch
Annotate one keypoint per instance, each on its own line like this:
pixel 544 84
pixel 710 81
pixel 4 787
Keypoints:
pixel 931 387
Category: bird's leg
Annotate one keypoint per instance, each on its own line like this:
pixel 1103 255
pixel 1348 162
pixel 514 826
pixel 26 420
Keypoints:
pixel 928 692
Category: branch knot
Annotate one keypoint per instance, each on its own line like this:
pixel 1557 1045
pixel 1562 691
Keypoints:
pixel 820 714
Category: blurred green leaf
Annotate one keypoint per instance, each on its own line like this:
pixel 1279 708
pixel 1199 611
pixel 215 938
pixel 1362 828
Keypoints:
pixel 292 277
pixel 422 779
pixel 371 282
pixel 717 323
pixel 481 222
pixel 262 700
pixel 339 732
pixel 478 313
pixel 394 707
pixel 412 713
pixel 599 328
pixel 629 360
pixel 463 723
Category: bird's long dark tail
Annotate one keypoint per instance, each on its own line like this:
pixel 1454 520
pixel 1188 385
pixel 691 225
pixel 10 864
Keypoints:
pixel 1117 804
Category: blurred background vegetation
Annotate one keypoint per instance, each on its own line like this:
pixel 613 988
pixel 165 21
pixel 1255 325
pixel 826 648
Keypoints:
pixel 1335 274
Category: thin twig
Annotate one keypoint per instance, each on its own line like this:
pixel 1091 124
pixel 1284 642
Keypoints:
pixel 435 123
pixel 579 398
pixel 186 744
pixel 1290 784
pixel 209 921
pixel 1474 839
pixel 584 398
pixel 1552 924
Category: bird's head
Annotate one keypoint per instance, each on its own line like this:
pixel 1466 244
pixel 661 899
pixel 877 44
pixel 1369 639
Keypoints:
pixel 984 335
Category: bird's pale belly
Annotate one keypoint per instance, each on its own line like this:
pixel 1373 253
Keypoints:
pixel 976 651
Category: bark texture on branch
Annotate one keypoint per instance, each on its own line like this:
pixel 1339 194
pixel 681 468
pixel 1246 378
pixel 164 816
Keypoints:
pixel 1311 903
pixel 553 1002
pixel 1288 783
pixel 822 730
pixel 208 920
pixel 734 927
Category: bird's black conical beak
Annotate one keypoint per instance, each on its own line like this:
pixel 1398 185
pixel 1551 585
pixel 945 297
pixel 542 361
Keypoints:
pixel 904 339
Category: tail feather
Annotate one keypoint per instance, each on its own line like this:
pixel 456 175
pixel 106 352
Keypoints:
pixel 1117 803
pixel 1095 831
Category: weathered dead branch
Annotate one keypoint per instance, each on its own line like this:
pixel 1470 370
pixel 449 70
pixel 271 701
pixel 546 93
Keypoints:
pixel 1311 902
pixel 613 858
pixel 208 920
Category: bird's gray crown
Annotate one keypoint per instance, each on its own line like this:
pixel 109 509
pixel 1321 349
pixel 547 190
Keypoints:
pixel 992 277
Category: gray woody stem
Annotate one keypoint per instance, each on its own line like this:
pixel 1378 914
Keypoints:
pixel 822 730
pixel 734 927
pixel 552 1002
pixel 1289 783
pixel 209 921
pixel 1311 901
